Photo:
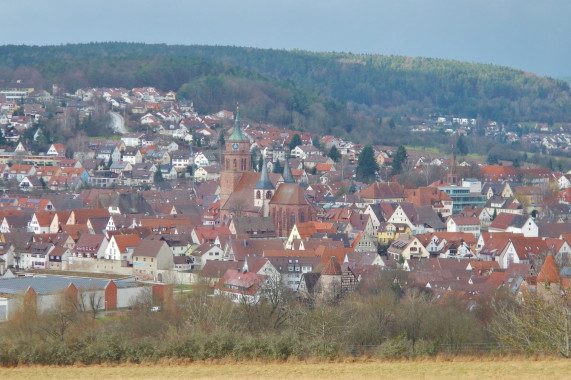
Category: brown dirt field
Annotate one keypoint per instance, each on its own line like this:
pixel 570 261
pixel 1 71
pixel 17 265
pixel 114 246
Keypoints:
pixel 456 368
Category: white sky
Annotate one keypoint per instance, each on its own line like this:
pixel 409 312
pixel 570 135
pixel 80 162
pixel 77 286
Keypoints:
pixel 533 35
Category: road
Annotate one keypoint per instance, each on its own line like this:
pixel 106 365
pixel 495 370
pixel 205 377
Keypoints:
pixel 117 123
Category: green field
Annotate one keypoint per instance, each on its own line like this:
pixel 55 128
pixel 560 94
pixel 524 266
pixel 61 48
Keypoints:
pixel 455 368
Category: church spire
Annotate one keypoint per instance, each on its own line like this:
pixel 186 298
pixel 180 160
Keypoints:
pixel 237 134
pixel 264 182
pixel 288 177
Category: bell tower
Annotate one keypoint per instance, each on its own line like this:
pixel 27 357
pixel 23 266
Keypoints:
pixel 264 191
pixel 237 160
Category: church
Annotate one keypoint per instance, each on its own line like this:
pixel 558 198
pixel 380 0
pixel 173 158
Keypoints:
pixel 244 192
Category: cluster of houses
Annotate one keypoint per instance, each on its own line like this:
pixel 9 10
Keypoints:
pixel 181 233
pixel 309 228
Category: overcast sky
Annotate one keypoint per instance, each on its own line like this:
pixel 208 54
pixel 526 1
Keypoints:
pixel 533 35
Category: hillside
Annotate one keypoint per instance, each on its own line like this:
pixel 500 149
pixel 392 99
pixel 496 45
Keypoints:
pixel 338 93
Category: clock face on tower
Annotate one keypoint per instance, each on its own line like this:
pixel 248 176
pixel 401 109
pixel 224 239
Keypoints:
pixel 235 146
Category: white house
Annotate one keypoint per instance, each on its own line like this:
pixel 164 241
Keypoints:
pixel 469 224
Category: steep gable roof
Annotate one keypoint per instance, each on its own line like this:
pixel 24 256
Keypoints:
pixel 549 271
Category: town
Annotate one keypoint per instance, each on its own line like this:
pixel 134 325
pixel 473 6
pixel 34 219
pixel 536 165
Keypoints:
pixel 171 199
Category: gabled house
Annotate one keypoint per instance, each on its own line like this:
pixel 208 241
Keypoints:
pixel 35 256
pixel 57 256
pixel 204 253
pixel 407 247
pixel 132 156
pixel 121 247
pixel 379 192
pixel 108 153
pixel 14 223
pixel 56 150
pixel 390 231
pixel 20 171
pixel 44 222
pixel 495 173
pixel 497 205
pixel 151 256
pixel 202 159
pixel 30 183
pixel 241 287
pixel 519 224
pixel 441 202
pixel 458 223
pixel 90 246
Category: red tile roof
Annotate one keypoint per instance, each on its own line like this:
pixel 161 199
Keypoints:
pixel 549 271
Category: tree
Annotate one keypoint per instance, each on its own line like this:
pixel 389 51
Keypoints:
pixel 535 325
pixel 334 153
pixel 515 163
pixel 392 124
pixel 221 140
pixel 295 141
pixel 158 176
pixel 461 147
pixel 399 159
pixel 277 167
pixel 367 166
pixel 260 162
pixel 315 141
pixel 492 159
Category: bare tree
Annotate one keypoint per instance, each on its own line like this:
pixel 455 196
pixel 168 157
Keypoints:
pixel 534 325
pixel 91 300
pixel 59 318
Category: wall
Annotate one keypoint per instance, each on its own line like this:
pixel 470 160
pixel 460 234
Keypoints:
pixel 83 264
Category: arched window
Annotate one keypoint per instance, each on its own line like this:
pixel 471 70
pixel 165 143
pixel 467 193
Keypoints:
pixel 268 194
pixel 235 164
pixel 292 219
pixel 301 217
pixel 258 194
pixel 227 164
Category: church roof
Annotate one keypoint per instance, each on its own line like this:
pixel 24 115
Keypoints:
pixel 242 197
pixel 289 194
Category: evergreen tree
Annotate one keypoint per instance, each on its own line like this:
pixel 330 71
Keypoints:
pixel 399 158
pixel 461 147
pixel 515 163
pixel 392 124
pixel 334 153
pixel 278 167
pixel 221 140
pixel 295 141
pixel 158 176
pixel 315 141
pixel 260 162
pixel 367 166
pixel 492 159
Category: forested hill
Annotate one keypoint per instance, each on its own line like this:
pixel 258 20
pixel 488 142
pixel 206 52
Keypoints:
pixel 365 86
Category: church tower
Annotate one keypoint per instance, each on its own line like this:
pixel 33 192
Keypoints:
pixel 237 160
pixel 263 192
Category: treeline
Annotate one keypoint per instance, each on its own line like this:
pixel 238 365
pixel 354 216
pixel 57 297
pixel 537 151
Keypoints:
pixel 381 320
pixel 376 84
